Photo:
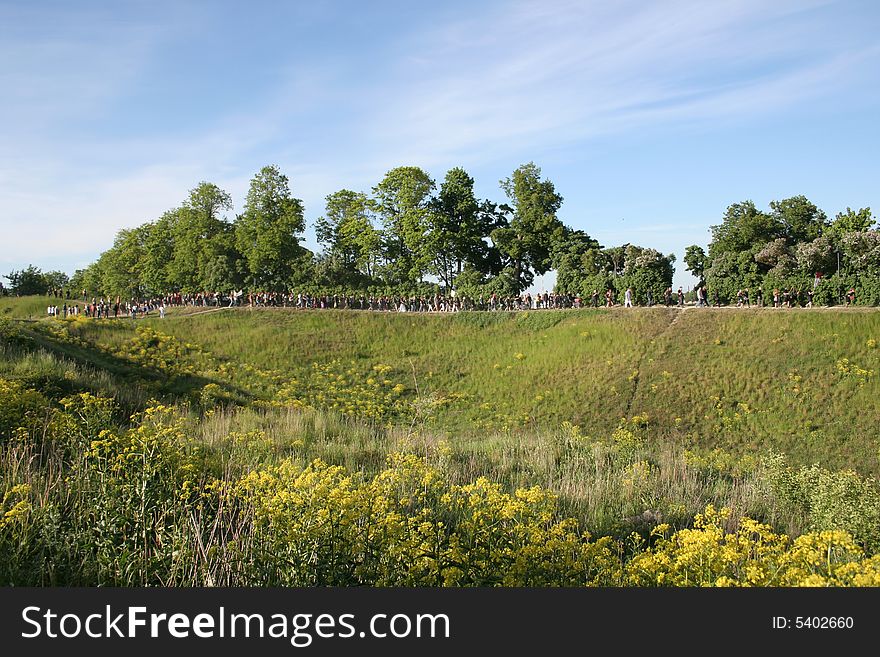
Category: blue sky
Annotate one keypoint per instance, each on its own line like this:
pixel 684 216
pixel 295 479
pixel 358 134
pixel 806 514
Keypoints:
pixel 649 117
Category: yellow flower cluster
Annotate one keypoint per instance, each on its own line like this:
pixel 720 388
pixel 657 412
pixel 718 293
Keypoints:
pixel 20 407
pixel 149 460
pixel 410 526
pixel 15 506
pixel 847 368
pixel 721 461
pixel 750 555
pixel 348 390
pixel 156 350
pixel 728 413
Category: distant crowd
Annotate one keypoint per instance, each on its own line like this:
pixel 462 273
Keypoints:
pixel 779 298
pixel 103 308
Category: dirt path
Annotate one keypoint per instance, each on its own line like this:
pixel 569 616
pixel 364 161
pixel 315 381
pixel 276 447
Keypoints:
pixel 204 312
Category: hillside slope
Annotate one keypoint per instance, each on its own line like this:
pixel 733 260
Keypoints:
pixel 804 382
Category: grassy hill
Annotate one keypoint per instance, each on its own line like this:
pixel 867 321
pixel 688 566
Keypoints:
pixel 803 382
pixel 221 433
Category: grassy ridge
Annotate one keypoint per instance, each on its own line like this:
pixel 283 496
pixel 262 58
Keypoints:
pixel 798 381
pixel 489 436
pixel 803 382
pixel 512 369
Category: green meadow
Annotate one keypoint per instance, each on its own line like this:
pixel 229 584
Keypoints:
pixel 629 419
pixel 803 382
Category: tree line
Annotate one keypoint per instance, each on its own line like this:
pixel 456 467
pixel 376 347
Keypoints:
pixel 793 246
pixel 409 235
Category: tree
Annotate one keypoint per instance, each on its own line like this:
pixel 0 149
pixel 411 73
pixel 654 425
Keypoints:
pixel 266 233
pixel 616 257
pixel 56 280
pixel 646 270
pixel 744 227
pixel 457 227
pixel 577 258
pixel 526 242
pixel 351 242
pixel 695 260
pixel 744 232
pixel 403 202
pixel 27 281
pixel 121 266
pixel 815 257
pixel 850 221
pixel 199 233
pixel 158 253
pixel 801 220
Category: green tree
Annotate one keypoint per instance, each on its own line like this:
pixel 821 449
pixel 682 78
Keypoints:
pixel 744 227
pixel 200 233
pixel 695 260
pixel 158 253
pixel 56 280
pixel 121 266
pixel 526 242
pixel 458 227
pixel 267 231
pixel 646 270
pixel 577 259
pixel 351 242
pixel 850 221
pixel 801 220
pixel 27 281
pixel 739 255
pixel 403 202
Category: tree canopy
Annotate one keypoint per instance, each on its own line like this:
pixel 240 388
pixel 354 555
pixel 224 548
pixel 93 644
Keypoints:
pixel 407 234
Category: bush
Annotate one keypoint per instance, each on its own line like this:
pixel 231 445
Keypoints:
pixel 20 408
pixel 827 500
pixel 409 526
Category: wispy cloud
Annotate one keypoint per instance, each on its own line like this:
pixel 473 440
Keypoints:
pixel 541 74
pixel 506 79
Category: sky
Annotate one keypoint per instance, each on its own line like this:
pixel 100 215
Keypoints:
pixel 650 118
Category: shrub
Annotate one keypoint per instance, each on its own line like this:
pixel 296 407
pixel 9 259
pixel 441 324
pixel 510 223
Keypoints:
pixel 20 408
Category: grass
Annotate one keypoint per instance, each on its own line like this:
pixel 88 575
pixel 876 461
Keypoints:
pixel 798 381
pixel 630 418
pixel 30 307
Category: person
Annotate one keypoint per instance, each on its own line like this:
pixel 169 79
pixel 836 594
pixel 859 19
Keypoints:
pixel 809 298
pixel 161 310
pixel 628 298
pixel 594 299
pixel 667 296
pixel 680 298
pixel 759 297
pixel 851 297
pixel 609 298
pixel 649 298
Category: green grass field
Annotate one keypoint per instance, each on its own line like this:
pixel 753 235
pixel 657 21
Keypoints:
pixel 626 418
pixel 803 382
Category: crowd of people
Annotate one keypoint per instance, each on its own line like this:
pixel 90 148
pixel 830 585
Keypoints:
pixel 780 298
pixel 103 308
pixel 416 303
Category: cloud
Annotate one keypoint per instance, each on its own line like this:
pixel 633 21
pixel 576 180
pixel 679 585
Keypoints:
pixel 506 80
pixel 544 74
